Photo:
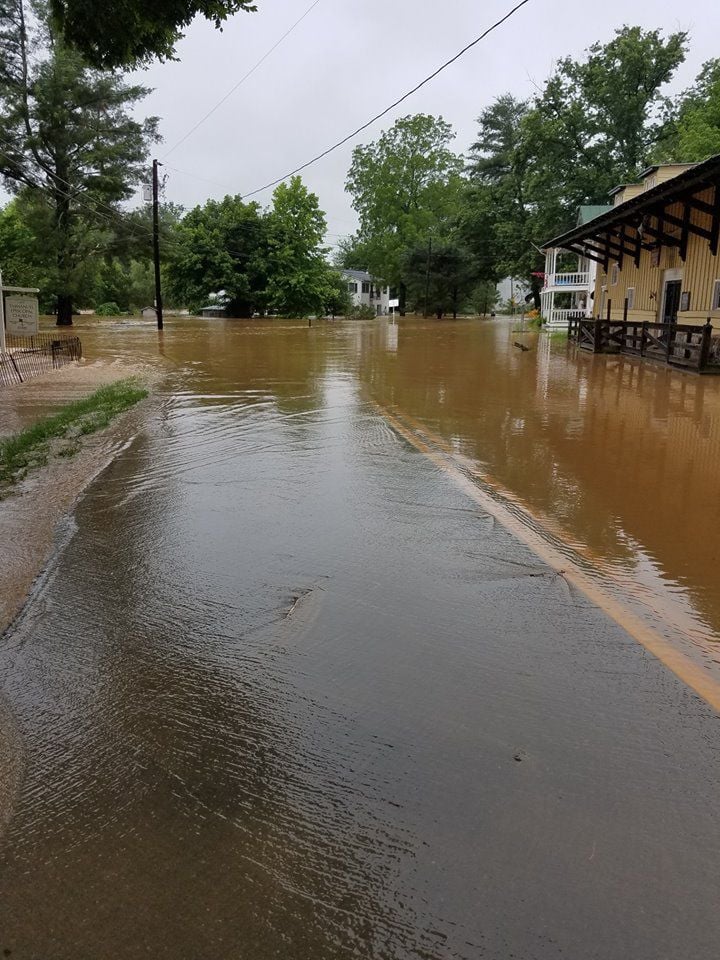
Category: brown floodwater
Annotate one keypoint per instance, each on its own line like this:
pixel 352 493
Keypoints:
pixel 286 689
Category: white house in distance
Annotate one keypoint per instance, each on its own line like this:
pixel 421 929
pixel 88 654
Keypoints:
pixel 512 289
pixel 366 291
pixel 569 292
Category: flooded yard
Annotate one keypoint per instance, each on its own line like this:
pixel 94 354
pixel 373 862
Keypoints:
pixel 287 689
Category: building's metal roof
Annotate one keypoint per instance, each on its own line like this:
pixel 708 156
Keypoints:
pixel 698 177
pixel 358 275
pixel 589 211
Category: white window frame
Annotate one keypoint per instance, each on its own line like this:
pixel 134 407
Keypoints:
pixel 630 294
pixel 614 274
pixel 715 302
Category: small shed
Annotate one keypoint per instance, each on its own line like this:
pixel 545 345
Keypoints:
pixel 148 313
pixel 214 310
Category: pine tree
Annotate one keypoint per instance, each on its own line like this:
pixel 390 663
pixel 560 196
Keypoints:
pixel 66 137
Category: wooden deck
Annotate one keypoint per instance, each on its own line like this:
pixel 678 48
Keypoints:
pixel 686 346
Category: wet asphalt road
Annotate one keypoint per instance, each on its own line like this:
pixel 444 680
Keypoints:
pixel 286 692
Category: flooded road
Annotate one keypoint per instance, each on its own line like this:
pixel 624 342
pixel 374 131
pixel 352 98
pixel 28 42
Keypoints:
pixel 287 691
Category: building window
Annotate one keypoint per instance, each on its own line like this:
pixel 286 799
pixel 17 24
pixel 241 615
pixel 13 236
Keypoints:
pixel 614 274
pixel 366 287
pixel 631 297
pixel 716 296
pixel 352 288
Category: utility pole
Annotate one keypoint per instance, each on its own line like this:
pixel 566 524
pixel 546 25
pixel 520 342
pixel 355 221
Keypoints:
pixel 427 276
pixel 2 317
pixel 156 246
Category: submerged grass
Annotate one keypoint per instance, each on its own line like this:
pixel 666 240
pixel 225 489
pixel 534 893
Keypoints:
pixel 31 447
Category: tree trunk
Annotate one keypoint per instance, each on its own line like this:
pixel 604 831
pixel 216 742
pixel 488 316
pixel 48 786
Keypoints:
pixel 535 286
pixel 62 226
pixel 402 297
pixel 64 310
pixel 438 313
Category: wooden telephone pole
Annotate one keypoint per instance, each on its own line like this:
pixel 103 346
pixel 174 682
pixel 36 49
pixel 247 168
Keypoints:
pixel 156 246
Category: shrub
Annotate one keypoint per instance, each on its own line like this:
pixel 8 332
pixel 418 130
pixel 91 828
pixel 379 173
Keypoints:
pixel 363 312
pixel 110 309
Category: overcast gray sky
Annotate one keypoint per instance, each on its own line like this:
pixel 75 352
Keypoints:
pixel 348 59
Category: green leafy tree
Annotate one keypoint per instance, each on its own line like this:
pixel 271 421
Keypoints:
pixel 595 124
pixel 497 218
pixel 125 32
pixel 694 131
pixel 221 246
pixel 23 264
pixel 300 280
pixel 405 187
pixel 484 298
pixel 141 288
pixel 339 301
pixel 113 283
pixel 68 140
pixel 440 277
pixel 598 120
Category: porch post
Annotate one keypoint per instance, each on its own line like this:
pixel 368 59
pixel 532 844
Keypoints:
pixel 706 341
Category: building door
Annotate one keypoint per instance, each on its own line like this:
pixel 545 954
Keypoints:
pixel 671 301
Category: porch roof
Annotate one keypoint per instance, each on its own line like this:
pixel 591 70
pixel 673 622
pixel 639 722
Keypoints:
pixel 605 237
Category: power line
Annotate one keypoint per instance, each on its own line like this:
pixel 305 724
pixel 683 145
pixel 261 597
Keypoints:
pixel 186 173
pixel 392 106
pixel 242 79
pixel 117 215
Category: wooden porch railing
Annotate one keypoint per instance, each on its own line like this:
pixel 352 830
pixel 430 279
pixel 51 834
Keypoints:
pixel 689 346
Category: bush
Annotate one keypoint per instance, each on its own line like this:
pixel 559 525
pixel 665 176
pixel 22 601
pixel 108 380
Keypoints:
pixel 110 309
pixel 363 312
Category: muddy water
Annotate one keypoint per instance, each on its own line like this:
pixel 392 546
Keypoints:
pixel 616 460
pixel 286 691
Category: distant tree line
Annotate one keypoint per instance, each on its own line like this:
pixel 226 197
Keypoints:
pixel 439 227
pixel 71 153
pixel 442 228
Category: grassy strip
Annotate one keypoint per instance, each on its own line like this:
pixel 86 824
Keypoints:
pixel 31 447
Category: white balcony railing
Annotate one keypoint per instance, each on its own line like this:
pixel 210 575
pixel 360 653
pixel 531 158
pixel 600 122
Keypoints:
pixel 558 319
pixel 565 281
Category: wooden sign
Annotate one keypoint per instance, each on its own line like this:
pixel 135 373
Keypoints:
pixel 684 301
pixel 21 315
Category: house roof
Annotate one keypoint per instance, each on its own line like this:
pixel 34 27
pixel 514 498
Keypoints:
pixel 698 177
pixel 590 211
pixel 656 166
pixel 357 275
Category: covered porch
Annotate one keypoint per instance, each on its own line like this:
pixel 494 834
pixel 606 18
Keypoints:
pixel 656 254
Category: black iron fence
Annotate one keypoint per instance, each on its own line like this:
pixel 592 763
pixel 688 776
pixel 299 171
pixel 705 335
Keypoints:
pixel 27 357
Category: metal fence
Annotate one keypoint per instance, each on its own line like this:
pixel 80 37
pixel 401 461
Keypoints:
pixel 27 357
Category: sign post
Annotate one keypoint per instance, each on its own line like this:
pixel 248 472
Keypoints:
pixel 21 315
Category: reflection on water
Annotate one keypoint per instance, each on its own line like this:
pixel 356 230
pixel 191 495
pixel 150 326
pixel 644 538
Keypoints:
pixel 287 692
pixel 618 457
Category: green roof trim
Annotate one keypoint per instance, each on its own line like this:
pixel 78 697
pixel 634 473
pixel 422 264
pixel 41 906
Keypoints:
pixel 589 212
